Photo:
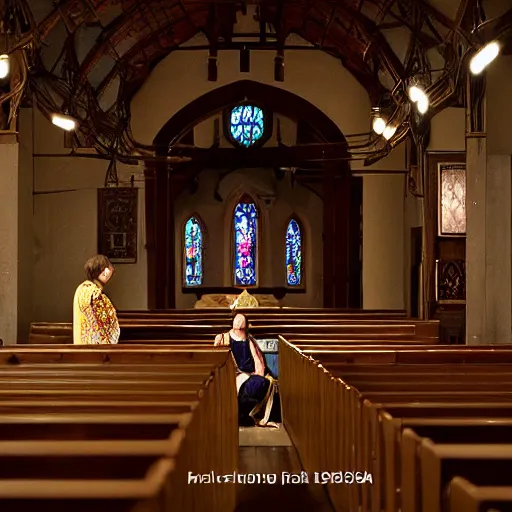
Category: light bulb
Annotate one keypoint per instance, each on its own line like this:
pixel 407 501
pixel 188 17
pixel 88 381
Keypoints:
pixel 65 122
pixel 422 104
pixel 4 66
pixel 379 125
pixel 484 57
pixel 389 131
pixel 415 93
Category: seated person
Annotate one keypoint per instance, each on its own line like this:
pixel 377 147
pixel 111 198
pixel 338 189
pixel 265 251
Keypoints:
pixel 255 386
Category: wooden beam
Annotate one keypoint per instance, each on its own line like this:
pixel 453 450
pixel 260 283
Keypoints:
pixel 284 156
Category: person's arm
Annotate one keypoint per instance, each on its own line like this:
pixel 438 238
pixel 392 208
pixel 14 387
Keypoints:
pixel 220 340
pixel 259 362
pixel 106 319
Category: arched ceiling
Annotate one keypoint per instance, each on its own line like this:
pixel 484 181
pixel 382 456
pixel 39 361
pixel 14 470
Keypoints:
pixel 93 55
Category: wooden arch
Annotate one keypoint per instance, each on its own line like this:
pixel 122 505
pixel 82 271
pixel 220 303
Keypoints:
pixel 163 187
pixel 272 98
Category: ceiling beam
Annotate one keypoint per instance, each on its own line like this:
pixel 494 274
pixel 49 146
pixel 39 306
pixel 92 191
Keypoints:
pixel 284 156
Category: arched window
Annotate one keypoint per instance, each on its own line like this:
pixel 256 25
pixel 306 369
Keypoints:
pixel 293 254
pixel 193 253
pixel 245 224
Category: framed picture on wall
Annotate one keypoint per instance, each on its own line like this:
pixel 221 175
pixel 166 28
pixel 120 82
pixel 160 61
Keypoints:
pixel 117 223
pixel 451 184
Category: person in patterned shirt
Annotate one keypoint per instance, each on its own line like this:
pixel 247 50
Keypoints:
pixel 94 316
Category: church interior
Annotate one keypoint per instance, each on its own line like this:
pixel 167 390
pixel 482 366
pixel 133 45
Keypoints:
pixel 340 172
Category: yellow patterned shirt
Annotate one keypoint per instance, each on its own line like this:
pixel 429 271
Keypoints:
pixel 94 316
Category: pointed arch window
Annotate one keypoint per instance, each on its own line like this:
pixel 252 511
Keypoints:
pixel 193 252
pixel 294 254
pixel 245 224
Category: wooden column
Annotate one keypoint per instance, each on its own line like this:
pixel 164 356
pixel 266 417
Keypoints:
pixel 170 241
pixel 161 245
pixel 150 202
pixel 9 240
pixel 328 234
pixel 160 237
pixel 476 249
pixel 354 243
pixel 162 189
pixel 341 236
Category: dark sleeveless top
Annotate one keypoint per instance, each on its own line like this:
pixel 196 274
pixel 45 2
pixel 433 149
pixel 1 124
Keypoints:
pixel 241 351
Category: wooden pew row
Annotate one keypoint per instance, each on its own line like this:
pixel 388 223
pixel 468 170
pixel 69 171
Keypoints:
pixel 464 496
pixel 381 433
pixel 376 451
pixel 407 355
pixel 272 320
pixel 111 354
pixel 333 397
pixel 373 339
pixel 429 326
pixel 145 329
pixel 268 323
pixel 387 421
pixel 387 382
pixel 486 464
pixel 424 481
pixel 265 310
pixel 200 422
pixel 255 317
pixel 390 450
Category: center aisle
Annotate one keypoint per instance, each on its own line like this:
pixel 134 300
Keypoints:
pixel 266 451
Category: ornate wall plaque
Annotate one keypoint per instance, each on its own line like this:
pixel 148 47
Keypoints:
pixel 451 281
pixel 452 199
pixel 117 224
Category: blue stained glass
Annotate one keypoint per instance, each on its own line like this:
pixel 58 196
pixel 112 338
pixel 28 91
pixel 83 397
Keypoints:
pixel 245 224
pixel 193 253
pixel 246 124
pixel 293 254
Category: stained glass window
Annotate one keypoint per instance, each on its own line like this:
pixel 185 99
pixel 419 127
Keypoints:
pixel 293 254
pixel 246 239
pixel 193 253
pixel 246 124
pixel 452 178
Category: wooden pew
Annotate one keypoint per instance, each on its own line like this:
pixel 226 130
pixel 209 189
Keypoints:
pixel 263 311
pixel 66 427
pixel 189 464
pixel 338 393
pixel 463 388
pixel 483 464
pixel 464 496
pixel 104 363
pixel 157 327
pixel 115 495
pixel 470 431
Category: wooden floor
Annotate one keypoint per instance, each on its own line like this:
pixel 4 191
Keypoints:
pixel 265 459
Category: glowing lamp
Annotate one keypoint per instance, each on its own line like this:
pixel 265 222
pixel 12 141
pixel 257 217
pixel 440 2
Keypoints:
pixel 4 66
pixel 484 57
pixel 65 122
pixel 379 125
pixel 389 131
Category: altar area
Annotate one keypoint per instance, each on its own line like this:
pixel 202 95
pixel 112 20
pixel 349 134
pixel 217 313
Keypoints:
pixel 233 301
